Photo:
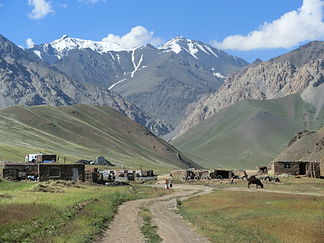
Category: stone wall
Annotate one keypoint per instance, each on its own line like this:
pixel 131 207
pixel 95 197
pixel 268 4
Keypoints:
pixel 14 171
pixel 60 172
pixel 44 171
pixel 308 168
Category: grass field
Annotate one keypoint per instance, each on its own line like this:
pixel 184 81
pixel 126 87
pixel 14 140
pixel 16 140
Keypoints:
pixel 248 134
pixel 70 213
pixel 290 184
pixel 256 216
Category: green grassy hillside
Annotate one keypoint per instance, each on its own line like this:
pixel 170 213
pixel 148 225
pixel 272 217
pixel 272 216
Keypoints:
pixel 249 133
pixel 84 132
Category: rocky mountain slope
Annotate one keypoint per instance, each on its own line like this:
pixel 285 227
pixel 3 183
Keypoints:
pixel 301 70
pixel 84 132
pixel 26 79
pixel 306 145
pixel 162 81
pixel 249 133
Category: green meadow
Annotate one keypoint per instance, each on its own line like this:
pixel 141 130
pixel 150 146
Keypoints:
pixel 61 211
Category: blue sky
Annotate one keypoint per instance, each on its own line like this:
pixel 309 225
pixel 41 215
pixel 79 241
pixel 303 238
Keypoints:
pixel 290 22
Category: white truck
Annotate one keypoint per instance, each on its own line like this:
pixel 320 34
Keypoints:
pixel 40 158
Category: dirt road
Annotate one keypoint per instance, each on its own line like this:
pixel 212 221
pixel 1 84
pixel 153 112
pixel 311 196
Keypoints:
pixel 126 225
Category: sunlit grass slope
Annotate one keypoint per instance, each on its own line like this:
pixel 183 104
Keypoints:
pixel 249 133
pixel 84 132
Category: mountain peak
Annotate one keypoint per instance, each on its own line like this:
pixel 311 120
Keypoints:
pixel 67 43
pixel 192 47
pixel 181 40
pixel 64 37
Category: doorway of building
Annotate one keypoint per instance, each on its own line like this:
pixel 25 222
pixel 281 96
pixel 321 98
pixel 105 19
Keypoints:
pixel 75 174
pixel 302 169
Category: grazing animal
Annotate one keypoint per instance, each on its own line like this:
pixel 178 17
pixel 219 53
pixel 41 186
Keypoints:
pixel 256 181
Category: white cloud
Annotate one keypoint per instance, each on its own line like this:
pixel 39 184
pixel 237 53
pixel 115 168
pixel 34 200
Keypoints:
pixel 292 28
pixel 30 43
pixel 138 36
pixel 41 8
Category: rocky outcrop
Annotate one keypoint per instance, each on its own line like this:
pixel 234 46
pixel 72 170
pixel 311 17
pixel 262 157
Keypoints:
pixel 298 136
pixel 306 146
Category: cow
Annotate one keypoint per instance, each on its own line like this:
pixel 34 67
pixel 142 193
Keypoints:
pixel 256 181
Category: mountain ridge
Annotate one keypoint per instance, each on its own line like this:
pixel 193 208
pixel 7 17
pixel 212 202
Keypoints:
pixel 279 77
pixel 161 81
pixel 26 79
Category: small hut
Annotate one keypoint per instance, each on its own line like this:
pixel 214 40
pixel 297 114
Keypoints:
pixel 306 168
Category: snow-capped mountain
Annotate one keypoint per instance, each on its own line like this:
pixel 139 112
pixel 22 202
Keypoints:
pixel 192 47
pixel 211 58
pixel 66 43
pixel 27 80
pixel 161 81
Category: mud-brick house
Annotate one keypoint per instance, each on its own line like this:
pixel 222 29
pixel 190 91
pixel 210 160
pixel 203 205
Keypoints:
pixel 44 172
pixel 307 168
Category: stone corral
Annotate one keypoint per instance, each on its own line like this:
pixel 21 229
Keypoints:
pixel 193 174
pixel 307 168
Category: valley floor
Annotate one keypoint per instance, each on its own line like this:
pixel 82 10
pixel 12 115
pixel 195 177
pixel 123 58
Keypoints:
pixel 290 211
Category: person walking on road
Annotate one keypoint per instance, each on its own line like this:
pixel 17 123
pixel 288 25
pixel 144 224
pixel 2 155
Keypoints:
pixel 166 185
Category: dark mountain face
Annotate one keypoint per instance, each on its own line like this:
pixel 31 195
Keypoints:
pixel 162 81
pixel 25 79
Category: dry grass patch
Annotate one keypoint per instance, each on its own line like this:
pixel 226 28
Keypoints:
pixel 226 216
pixel 17 212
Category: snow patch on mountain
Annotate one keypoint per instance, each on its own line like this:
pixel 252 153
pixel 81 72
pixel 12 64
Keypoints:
pixel 136 66
pixel 66 43
pixel 38 53
pixel 118 82
pixel 171 45
pixel 193 47
pixel 218 75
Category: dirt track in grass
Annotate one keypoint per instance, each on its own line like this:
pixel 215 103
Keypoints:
pixel 172 228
